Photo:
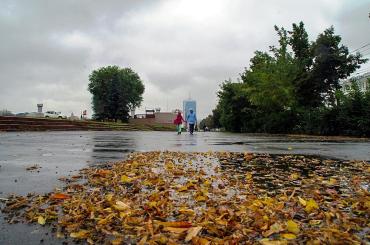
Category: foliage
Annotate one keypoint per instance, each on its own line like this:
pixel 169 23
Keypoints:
pixel 207 198
pixel 6 112
pixel 295 87
pixel 234 106
pixel 115 92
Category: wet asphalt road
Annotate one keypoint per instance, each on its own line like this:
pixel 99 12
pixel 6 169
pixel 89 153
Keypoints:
pixel 64 153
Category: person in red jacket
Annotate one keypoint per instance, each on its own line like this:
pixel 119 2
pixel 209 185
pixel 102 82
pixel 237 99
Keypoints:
pixel 178 122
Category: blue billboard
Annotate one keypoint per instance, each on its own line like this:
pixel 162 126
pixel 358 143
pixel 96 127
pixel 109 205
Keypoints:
pixel 187 105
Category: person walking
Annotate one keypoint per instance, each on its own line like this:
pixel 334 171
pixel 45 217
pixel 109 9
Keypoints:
pixel 178 122
pixel 192 120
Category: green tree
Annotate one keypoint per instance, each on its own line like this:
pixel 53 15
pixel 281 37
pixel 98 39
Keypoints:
pixel 115 92
pixel 269 77
pixel 304 88
pixel 234 106
pixel 331 62
pixel 207 122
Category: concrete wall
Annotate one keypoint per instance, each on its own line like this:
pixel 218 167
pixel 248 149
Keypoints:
pixel 142 120
pixel 164 117
pixel 160 118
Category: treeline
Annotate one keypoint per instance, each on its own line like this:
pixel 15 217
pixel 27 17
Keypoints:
pixel 295 88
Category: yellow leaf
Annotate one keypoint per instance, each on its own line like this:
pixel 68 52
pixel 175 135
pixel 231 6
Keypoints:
pixel 109 197
pixel 302 201
pixel 275 228
pixel 121 206
pixel 294 176
pixel 192 232
pixel 79 234
pixel 289 236
pixel 367 204
pixel 201 198
pixel 182 188
pixel 315 222
pixel 332 181
pixel 248 176
pixel 125 179
pixel 200 241
pixel 143 240
pixel 311 206
pixel 207 183
pixel 147 183
pixel 152 204
pixel 266 241
pixel 41 220
pixel 292 226
pixel 117 241
pixel 186 211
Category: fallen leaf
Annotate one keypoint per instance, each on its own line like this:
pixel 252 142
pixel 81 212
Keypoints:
pixel 289 236
pixel 180 224
pixel 311 206
pixel 294 176
pixel 302 201
pixel 275 228
pixel 117 241
pixel 41 220
pixel 80 234
pixel 186 211
pixel 125 179
pixel 266 241
pixel 200 241
pixel 332 181
pixel 315 222
pixel 121 206
pixel 292 226
pixel 201 198
pixel 60 196
pixel 192 232
pixel 175 229
pixel 143 240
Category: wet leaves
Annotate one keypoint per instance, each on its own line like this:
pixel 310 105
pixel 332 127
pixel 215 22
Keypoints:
pixel 208 198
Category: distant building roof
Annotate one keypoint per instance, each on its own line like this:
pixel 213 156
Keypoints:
pixel 361 80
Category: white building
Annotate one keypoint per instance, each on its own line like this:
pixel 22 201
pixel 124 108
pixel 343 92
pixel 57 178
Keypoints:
pixel 361 80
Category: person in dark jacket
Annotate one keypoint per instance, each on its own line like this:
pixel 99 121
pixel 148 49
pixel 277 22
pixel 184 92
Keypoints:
pixel 178 122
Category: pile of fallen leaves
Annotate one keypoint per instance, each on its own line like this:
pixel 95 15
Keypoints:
pixel 208 198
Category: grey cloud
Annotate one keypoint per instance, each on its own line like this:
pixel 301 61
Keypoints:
pixel 48 48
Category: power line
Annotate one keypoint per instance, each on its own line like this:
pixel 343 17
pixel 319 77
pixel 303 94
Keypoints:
pixel 365 50
pixel 358 73
pixel 368 44
pixel 364 69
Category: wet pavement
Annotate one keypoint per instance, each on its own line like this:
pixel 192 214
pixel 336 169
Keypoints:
pixel 63 153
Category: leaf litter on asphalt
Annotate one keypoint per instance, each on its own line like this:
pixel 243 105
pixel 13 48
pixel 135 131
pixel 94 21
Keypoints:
pixel 208 198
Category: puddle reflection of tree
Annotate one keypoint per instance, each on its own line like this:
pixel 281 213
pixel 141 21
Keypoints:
pixel 111 146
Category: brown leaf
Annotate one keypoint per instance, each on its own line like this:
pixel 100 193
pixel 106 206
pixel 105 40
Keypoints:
pixel 180 224
pixel 192 232
pixel 176 229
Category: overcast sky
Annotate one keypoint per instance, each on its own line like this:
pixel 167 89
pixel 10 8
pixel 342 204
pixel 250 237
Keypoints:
pixel 48 48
